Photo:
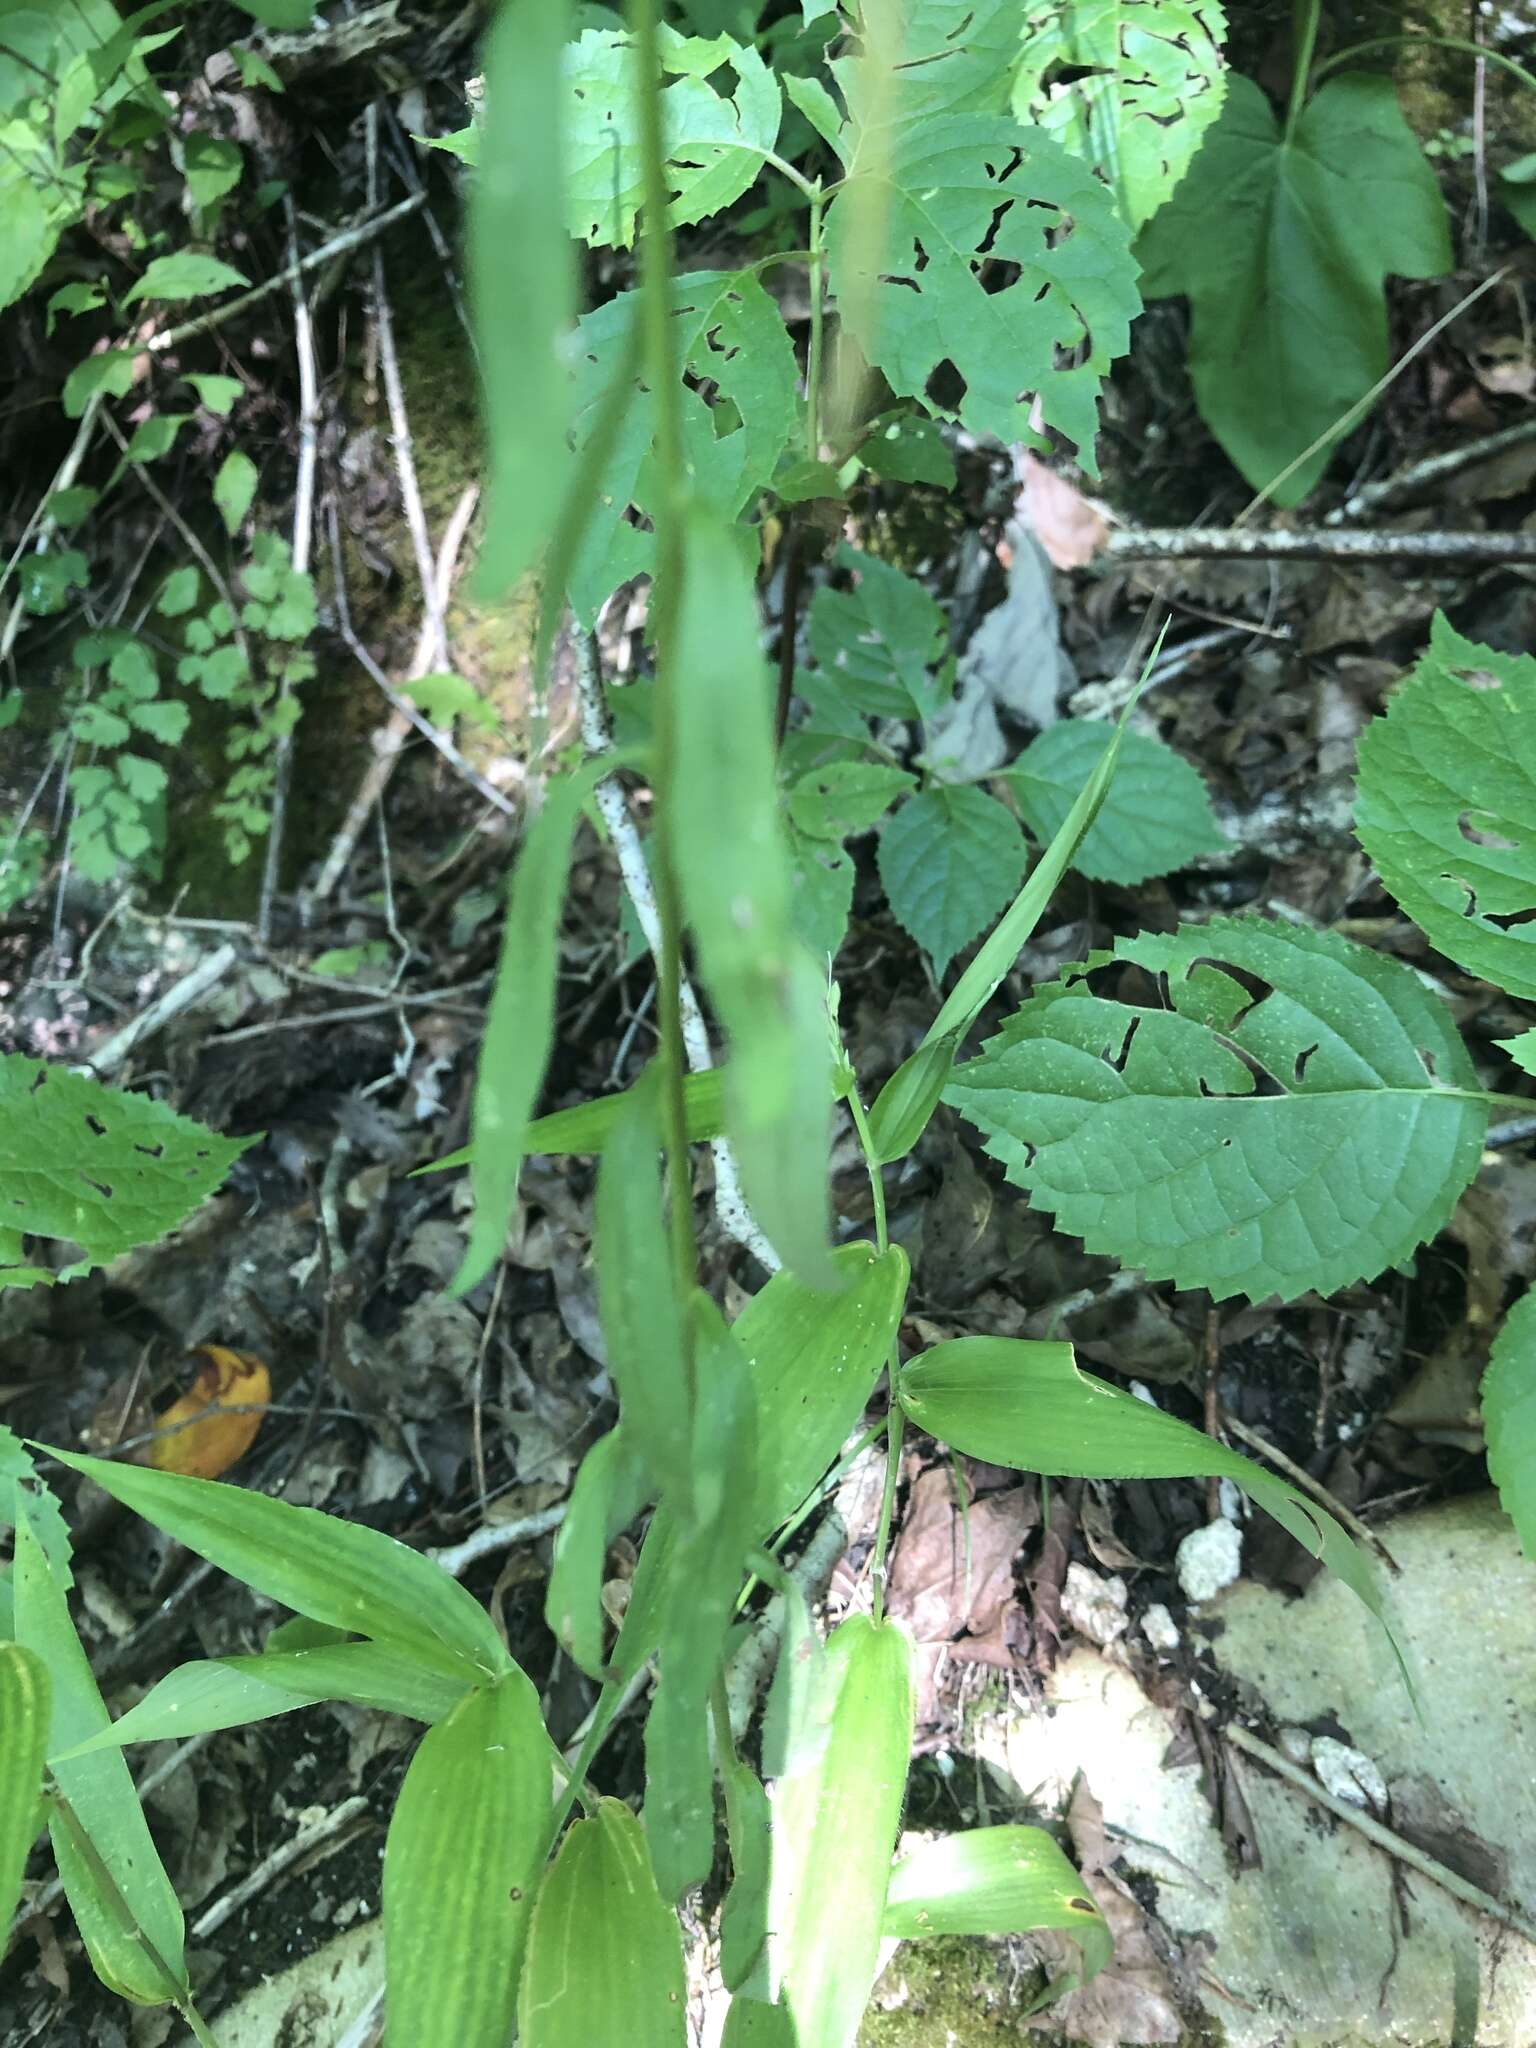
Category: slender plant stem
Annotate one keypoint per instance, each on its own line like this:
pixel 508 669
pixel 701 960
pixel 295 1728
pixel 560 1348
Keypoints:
pixel 871 1166
pixel 1467 49
pixel 895 1428
pixel 1305 16
pixel 818 315
pixel 660 358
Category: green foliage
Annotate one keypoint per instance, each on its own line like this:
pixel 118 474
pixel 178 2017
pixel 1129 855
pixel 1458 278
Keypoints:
pixel 467 1841
pixel 1155 819
pixel 119 794
pixel 883 644
pixel 1446 807
pixel 1144 83
pixel 94 1167
pixel 600 1902
pixel 186 274
pixel 1266 1144
pixel 997 1880
pixel 1509 1418
pixel 25 1708
pixel 949 860
pixel 1282 244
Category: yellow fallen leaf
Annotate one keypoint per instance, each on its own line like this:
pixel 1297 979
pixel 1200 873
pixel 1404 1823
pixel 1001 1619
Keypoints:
pixel 215 1422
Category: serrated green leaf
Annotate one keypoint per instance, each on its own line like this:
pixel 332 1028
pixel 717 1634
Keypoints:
pixel 1025 1404
pixel 20 1487
pixel 949 861
pixel 187 274
pixel 834 1830
pixel 878 643
pixel 216 392
pixel 339 1572
pixel 1262 226
pixel 953 196
pixel 729 856
pixel 1509 1418
pixel 1302 1140
pixel 164 722
pixel 612 1485
pixel 519 1028
pixel 524 309
pixel 97 1167
pixel 927 61
pixel 110 374
pixel 642 1316
pixel 1522 1050
pixel 846 796
pixel 821 893
pixel 817 105
pixel 467 1840
pixel 231 1692
pixel 447 697
pixel 1446 806
pixel 32 230
pixel 101 1799
pixel 715 140
pixel 605 1954
pixel 1156 816
pixel 726 329
pixel 213 167
pixel 25 1708
pixel 234 488
pixel 1000 1880
pixel 1145 83
pixel 588 1126
pixel 908 449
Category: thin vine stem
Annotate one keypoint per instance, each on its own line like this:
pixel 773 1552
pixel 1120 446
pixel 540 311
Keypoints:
pixel 818 316
pixel 1307 14
pixel 895 1421
pixel 1459 43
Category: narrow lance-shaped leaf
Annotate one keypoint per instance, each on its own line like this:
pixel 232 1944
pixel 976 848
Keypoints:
pixel 519 1027
pixel 588 1126
pixel 1002 1880
pixel 339 1572
pixel 102 1801
pixel 1025 1404
pixel 612 1486
pixel 1509 1418
pixel 1283 1111
pixel 522 281
pixel 1446 807
pixel 733 871
pixel 642 1316
pixel 834 1831
pixel 467 1840
pixel 605 1953
pixel 24 1716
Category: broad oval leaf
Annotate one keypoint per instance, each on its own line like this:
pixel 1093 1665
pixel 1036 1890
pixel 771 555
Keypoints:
pixel 949 861
pixel 468 1837
pixel 845 797
pixel 1446 807
pixel 834 1830
pixel 1284 1111
pixel 877 645
pixel 1156 815
pixel 732 866
pixel 605 1953
pixel 334 1571
pixel 1002 1880
pixel 25 1707
pixel 1509 1418
pixel 1146 81
pixel 95 1166
pixel 1025 1404
pixel 186 274
pixel 1262 226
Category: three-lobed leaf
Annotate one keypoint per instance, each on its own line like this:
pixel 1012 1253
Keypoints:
pixel 1282 247
pixel 1282 1111
pixel 1446 807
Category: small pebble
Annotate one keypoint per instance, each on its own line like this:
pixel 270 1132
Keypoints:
pixel 1209 1560
pixel 1349 1774
pixel 1160 1628
pixel 1295 1744
pixel 1094 1606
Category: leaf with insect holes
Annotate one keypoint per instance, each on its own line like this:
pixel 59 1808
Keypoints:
pixel 821 893
pixel 949 860
pixel 1282 247
pixel 1281 1111
pixel 1155 818
pixel 728 333
pixel 94 1166
pixel 1146 81
pixel 964 194
pixel 1509 1418
pixel 878 644
pixel 1446 806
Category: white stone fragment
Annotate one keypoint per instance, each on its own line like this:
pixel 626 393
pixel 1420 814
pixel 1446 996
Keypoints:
pixel 1349 1774
pixel 1160 1628
pixel 1094 1606
pixel 1209 1560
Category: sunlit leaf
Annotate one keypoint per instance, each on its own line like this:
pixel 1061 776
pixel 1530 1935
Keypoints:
pixel 999 1880
pixel 25 1708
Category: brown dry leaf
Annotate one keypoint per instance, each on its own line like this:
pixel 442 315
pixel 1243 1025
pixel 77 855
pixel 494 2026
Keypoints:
pixel 215 1423
pixel 1131 2000
pixel 952 1596
pixel 1069 526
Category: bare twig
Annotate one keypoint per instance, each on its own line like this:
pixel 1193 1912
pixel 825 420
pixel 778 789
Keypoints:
pixel 495 1537
pixel 597 734
pixel 282 1857
pixel 181 995
pixel 811 1570
pixel 1314 544
pixel 1300 1476
pixel 1421 479
pixel 1383 1837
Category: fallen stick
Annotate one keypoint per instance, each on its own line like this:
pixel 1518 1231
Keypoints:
pixel 1313 544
